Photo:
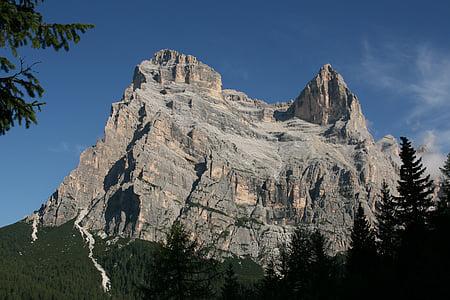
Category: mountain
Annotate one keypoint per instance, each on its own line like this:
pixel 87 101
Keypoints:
pixel 240 173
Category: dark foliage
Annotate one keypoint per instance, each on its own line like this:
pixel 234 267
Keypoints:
pixel 443 207
pixel 414 188
pixel 303 270
pixel 386 224
pixel 181 269
pixel 361 257
pixel 22 25
pixel 230 289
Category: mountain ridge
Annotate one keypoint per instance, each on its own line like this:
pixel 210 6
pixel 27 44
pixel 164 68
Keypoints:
pixel 239 173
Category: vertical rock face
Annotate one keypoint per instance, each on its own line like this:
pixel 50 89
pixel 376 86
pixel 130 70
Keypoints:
pixel 238 172
pixel 326 100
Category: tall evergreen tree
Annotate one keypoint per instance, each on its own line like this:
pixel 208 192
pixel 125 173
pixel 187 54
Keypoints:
pixel 444 199
pixel 414 187
pixel 305 268
pixel 270 286
pixel 322 272
pixel 361 260
pixel 230 288
pixel 439 245
pixel 299 262
pixel 386 223
pixel 414 212
pixel 362 239
pixel 181 268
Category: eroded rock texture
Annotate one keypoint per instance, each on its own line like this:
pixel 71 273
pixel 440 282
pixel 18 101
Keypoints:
pixel 239 172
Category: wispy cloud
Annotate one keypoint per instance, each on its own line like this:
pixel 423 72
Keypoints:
pixel 235 71
pixel 433 157
pixel 420 75
pixel 65 147
pixel 419 71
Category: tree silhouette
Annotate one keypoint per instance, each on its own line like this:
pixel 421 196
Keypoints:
pixel 322 271
pixel 299 262
pixel 361 260
pixel 181 268
pixel 414 211
pixel 304 271
pixel 386 224
pixel 439 247
pixel 230 288
pixel 414 187
pixel 21 25
pixel 270 286
pixel 444 199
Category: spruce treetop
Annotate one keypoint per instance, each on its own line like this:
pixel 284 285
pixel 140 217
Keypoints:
pixel 415 188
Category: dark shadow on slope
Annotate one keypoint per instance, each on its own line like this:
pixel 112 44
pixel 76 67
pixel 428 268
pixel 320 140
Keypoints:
pixel 123 204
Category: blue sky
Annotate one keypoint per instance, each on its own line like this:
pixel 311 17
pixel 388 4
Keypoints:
pixel 395 55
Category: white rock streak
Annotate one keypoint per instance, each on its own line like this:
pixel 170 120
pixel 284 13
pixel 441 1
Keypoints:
pixel 34 236
pixel 106 283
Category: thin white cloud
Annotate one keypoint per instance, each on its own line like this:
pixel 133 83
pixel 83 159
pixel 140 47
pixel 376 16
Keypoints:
pixel 432 156
pixel 418 71
pixel 231 70
pixel 419 75
pixel 65 147
pixel 59 148
pixel 432 88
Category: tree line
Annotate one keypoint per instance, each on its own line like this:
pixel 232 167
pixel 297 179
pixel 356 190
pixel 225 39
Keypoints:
pixel 403 254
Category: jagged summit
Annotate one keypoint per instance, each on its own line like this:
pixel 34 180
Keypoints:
pixel 326 100
pixel 168 66
pixel 169 56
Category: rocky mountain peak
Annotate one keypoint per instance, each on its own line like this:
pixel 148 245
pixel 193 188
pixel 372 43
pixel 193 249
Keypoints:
pixel 178 147
pixel 326 100
pixel 170 66
pixel 173 57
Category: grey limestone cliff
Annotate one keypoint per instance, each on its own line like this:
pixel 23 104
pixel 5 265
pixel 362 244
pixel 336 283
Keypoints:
pixel 238 172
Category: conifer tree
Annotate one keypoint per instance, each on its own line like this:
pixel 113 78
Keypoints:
pixel 322 273
pixel 414 188
pixel 361 259
pixel 281 268
pixel 181 268
pixel 283 265
pixel 307 271
pixel 386 223
pixel 444 201
pixel 414 211
pixel 270 286
pixel 299 262
pixel 230 288
pixel 21 25
pixel 438 247
pixel 362 238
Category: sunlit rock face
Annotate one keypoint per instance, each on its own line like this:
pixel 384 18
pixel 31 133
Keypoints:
pixel 326 100
pixel 238 172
